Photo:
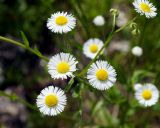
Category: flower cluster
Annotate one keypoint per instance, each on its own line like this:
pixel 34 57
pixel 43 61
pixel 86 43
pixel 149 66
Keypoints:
pixel 100 74
pixel 52 100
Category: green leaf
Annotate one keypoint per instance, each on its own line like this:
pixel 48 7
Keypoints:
pixel 26 42
pixel 37 51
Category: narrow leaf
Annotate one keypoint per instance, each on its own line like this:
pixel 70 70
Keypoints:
pixel 26 42
pixel 37 51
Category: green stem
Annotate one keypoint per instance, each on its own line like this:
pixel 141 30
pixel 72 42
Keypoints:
pixel 100 51
pixel 17 98
pixel 39 55
pixel 12 41
pixel 23 46
pixel 121 28
pixel 104 46
pixel 80 109
pixel 68 86
pixel 114 23
pixel 106 43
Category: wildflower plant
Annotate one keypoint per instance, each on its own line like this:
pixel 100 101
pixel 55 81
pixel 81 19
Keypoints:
pixel 99 75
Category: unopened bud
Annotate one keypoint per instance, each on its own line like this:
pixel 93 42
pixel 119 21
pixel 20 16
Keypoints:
pixel 114 12
pixel 135 32
pixel 133 25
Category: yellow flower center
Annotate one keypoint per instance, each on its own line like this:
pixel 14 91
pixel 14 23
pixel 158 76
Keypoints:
pixel 93 48
pixel 145 7
pixel 102 74
pixel 61 20
pixel 63 67
pixel 51 100
pixel 147 94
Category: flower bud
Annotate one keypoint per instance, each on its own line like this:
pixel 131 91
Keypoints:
pixel 114 12
pixel 99 20
pixel 137 51
pixel 133 25
pixel 135 32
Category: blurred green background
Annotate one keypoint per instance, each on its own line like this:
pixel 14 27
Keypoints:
pixel 26 75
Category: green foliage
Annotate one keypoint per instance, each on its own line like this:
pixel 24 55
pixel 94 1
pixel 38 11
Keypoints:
pixel 87 107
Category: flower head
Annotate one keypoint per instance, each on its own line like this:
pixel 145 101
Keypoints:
pixel 62 65
pixel 91 47
pixel 147 94
pixel 51 101
pixel 101 75
pixel 61 22
pixel 144 7
pixel 99 20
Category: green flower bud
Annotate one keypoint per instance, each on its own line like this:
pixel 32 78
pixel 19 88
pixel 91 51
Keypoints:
pixel 114 12
pixel 133 26
pixel 135 32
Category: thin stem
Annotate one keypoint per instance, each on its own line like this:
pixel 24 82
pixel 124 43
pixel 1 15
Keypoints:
pixel 121 28
pixel 106 43
pixel 68 86
pixel 23 46
pixel 39 55
pixel 12 41
pixel 80 108
pixel 114 23
pixel 17 98
pixel 100 51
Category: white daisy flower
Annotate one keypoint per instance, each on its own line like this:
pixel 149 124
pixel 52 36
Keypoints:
pixel 144 7
pixel 62 65
pixel 51 101
pixel 137 86
pixel 101 75
pixel 91 47
pixel 147 95
pixel 99 20
pixel 61 22
pixel 137 51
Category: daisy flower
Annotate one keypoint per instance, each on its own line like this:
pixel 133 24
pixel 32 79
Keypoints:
pixel 101 75
pixel 91 47
pixel 99 20
pixel 62 65
pixel 51 101
pixel 147 95
pixel 144 7
pixel 61 22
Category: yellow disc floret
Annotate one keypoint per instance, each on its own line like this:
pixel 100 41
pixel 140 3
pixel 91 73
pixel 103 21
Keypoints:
pixel 51 100
pixel 102 74
pixel 147 94
pixel 145 7
pixel 63 67
pixel 93 48
pixel 61 20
